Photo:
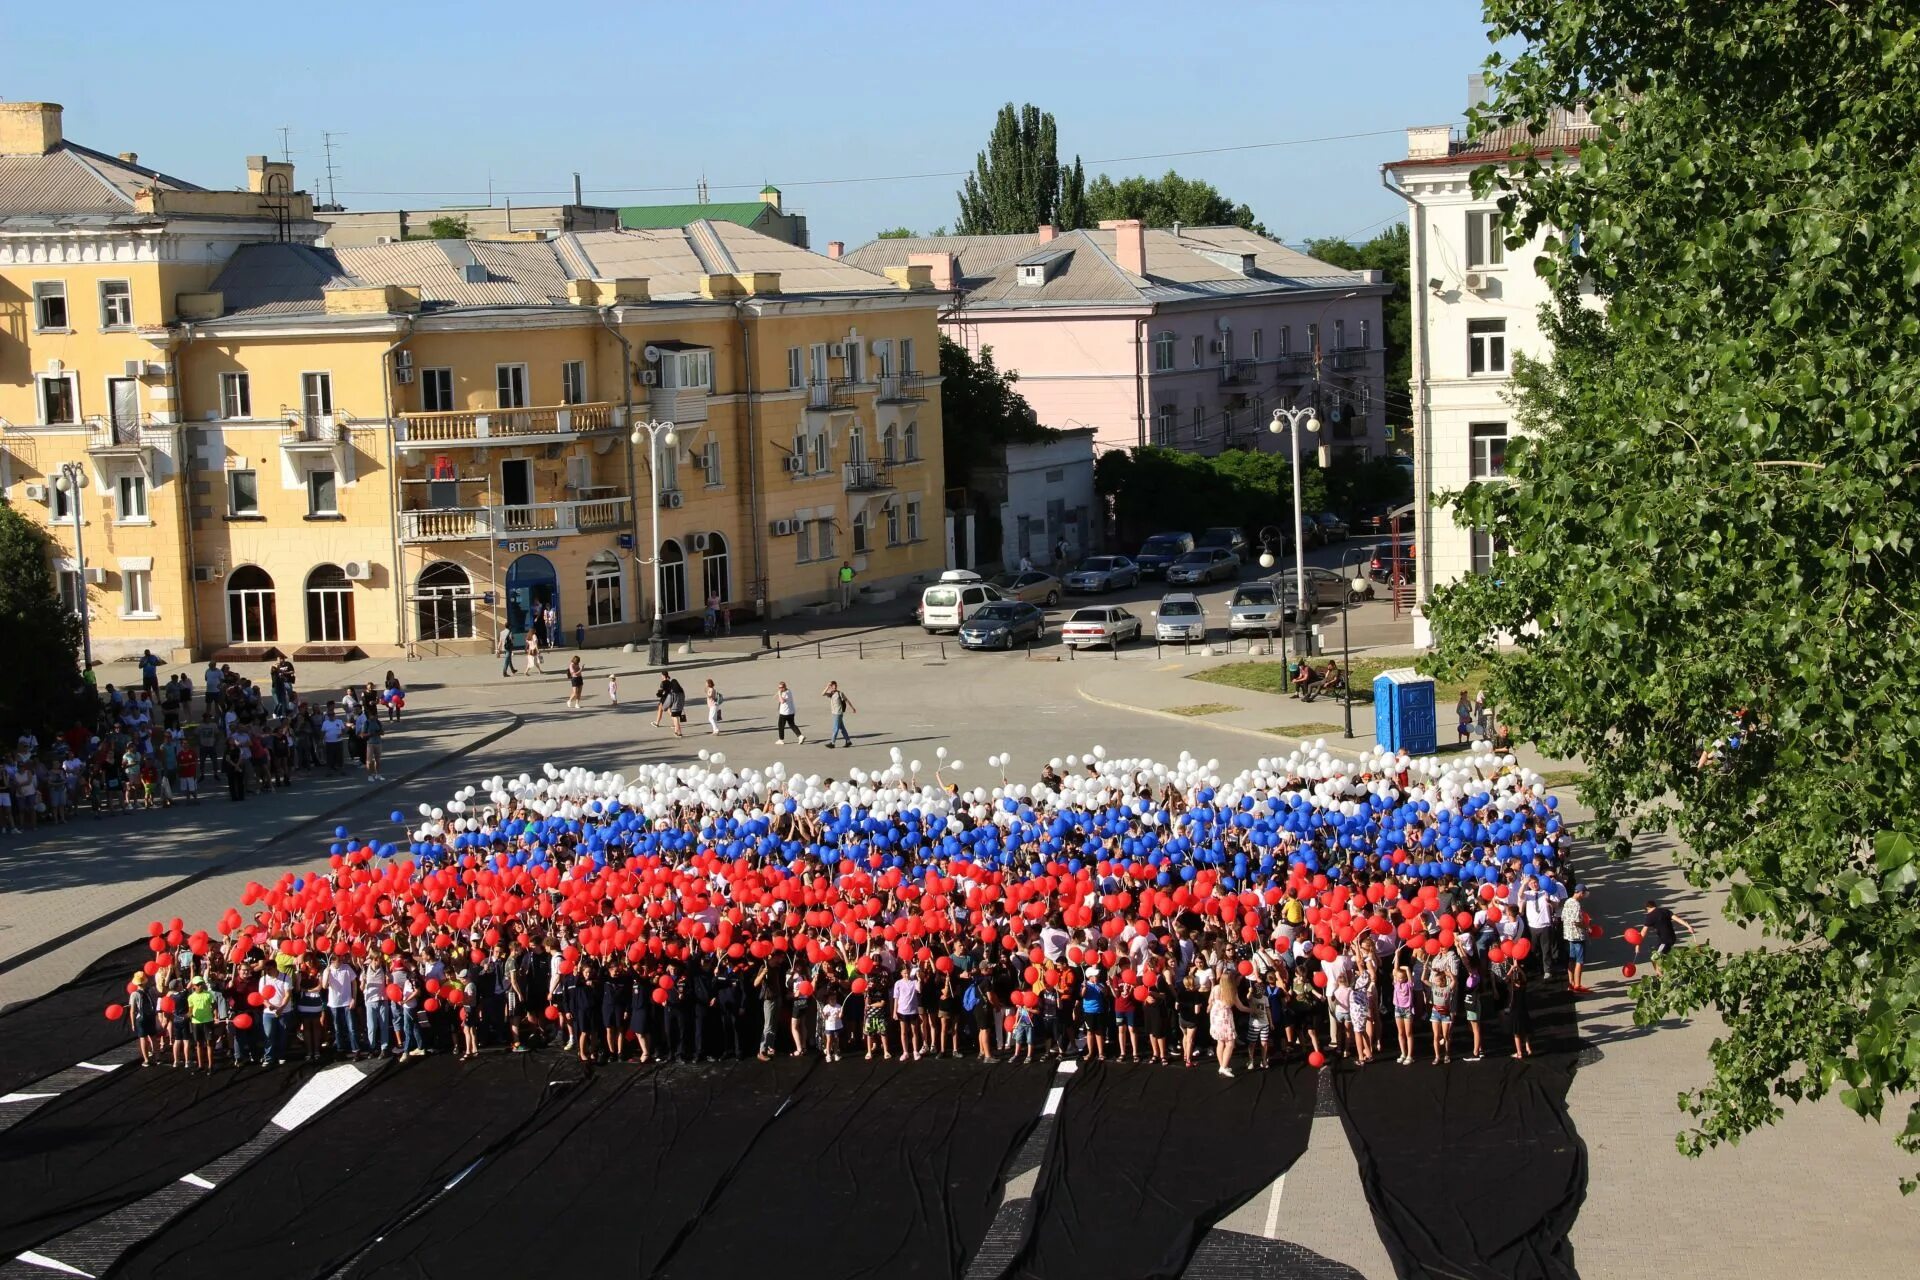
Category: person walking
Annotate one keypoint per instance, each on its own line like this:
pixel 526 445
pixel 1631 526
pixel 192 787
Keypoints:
pixel 533 653
pixel 613 689
pixel 784 713
pixel 506 650
pixel 1660 935
pixel 576 680
pixel 1573 929
pixel 662 697
pixel 368 730
pixel 839 705
pixel 846 584
pixel 714 699
pixel 676 706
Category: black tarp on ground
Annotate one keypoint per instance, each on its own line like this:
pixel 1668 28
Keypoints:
pixel 68 1024
pixel 91 1151
pixel 1474 1169
pixel 603 1182
pixel 1145 1159
pixel 876 1169
pixel 321 1196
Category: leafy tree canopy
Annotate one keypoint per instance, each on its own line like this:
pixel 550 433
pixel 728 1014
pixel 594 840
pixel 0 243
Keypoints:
pixel 39 681
pixel 898 233
pixel 1154 489
pixel 1161 202
pixel 448 227
pixel 980 411
pixel 1711 529
pixel 1018 182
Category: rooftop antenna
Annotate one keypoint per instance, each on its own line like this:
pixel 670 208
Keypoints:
pixel 286 148
pixel 326 142
pixel 702 189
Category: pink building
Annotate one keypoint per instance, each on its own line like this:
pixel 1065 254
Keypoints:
pixel 1188 337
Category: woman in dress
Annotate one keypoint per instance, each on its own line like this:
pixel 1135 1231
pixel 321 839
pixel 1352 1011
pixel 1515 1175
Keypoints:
pixel 1519 1015
pixel 576 680
pixel 1223 1002
pixel 714 699
pixel 1156 1011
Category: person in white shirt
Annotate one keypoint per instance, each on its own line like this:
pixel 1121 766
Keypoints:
pixel 333 732
pixel 1538 906
pixel 373 991
pixel 906 1008
pixel 341 984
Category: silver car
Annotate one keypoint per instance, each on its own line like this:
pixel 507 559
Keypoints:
pixel 1255 609
pixel 1102 573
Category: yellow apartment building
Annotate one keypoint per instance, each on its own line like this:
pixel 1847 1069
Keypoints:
pixel 415 444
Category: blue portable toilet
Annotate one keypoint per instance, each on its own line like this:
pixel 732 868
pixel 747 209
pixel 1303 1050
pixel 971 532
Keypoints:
pixel 1405 717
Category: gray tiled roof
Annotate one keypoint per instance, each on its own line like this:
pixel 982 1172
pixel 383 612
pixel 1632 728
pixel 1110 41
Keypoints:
pixel 72 180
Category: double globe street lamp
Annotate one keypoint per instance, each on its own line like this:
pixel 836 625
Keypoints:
pixel 72 479
pixel 1291 421
pixel 657 436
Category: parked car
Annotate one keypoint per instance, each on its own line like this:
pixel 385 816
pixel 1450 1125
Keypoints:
pixel 1232 539
pixel 1255 609
pixel 1326 589
pixel 951 601
pixel 1381 557
pixel 1102 624
pixel 1371 518
pixel 1102 573
pixel 1002 624
pixel 1214 564
pixel 1180 616
pixel 1033 586
pixel 1332 527
pixel 1161 550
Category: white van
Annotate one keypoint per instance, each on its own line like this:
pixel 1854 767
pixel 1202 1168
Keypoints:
pixel 951 601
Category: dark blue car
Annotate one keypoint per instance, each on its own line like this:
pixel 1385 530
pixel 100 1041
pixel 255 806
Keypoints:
pixel 1161 550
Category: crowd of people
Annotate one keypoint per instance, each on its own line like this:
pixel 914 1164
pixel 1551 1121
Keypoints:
pixel 164 742
pixel 1118 909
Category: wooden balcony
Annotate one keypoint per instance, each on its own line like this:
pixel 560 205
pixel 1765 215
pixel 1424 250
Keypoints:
pixel 455 524
pixel 540 424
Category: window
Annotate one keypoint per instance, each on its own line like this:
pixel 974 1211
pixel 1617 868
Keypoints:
pixel 1486 346
pixel 132 504
pixel 573 382
pixel 803 541
pixel 70 586
pixel 824 539
pixel 320 494
pixel 694 369
pixel 710 463
pixel 666 461
pixel 236 395
pixel 1285 346
pixel 1199 350
pixel 510 386
pixel 822 451
pixel 1163 351
pixel 884 353
pixel 796 367
pixel 912 442
pixel 136 593
pixel 436 390
pixel 913 522
pixel 1339 335
pixel 893 525
pixel 252 615
pixel 890 444
pixel 116 304
pixel 716 575
pixel 817 362
pixel 1489 446
pixel 243 493
pixel 59 398
pixel 50 305
pixel 329 605
pixel 1199 422
pixel 906 356
pixel 1366 335
pixel 316 394
pixel 603 590
pixel 1366 398
pixel 443 603
pixel 1487 551
pixel 1164 424
pixel 63 503
pixel 856 360
pixel 860 533
pixel 673 577
pixel 1258 343
pixel 1485 245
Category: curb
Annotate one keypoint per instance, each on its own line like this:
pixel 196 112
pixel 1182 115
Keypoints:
pixel 1261 734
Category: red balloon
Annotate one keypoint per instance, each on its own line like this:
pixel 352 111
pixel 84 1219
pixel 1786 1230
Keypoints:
pixel 115 1012
pixel 166 1004
pixel 431 1005
pixel 1628 970
pixel 394 992
pixel 255 999
pixel 1519 948
pixel 1316 1059
pixel 553 1013
pixel 1632 936
pixel 242 1021
pixel 804 989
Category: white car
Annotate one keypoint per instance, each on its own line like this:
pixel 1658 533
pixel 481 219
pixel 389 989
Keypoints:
pixel 951 601
pixel 1180 617
pixel 1102 624
pixel 1255 609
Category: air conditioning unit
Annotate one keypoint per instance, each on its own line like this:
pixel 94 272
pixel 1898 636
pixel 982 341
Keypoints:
pixel 672 499
pixel 36 492
pixel 404 374
pixel 838 351
pixel 357 570
pixel 136 368
pixel 403 359
pixel 781 528
pixel 206 573
pixel 797 463
pixel 96 577
pixel 700 541
pixel 649 377
pixel 1475 282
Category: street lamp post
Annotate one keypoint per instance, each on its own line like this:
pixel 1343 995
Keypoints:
pixel 73 478
pixel 1267 537
pixel 1290 421
pixel 1355 587
pixel 654 435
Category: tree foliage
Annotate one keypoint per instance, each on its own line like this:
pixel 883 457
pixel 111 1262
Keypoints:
pixel 1154 489
pixel 448 227
pixel 1018 182
pixel 1387 252
pixel 898 233
pixel 1715 514
pixel 39 681
pixel 980 411
pixel 1161 202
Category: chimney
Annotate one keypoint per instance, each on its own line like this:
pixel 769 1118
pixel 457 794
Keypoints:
pixel 29 128
pixel 945 268
pixel 1476 91
pixel 264 175
pixel 836 248
pixel 1048 232
pixel 1129 244
pixel 1429 141
pixel 130 157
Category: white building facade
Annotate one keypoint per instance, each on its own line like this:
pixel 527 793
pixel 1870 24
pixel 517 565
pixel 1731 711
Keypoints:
pixel 1476 307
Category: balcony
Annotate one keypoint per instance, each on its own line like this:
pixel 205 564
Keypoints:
pixel 455 524
pixel 542 424
pixel 1293 368
pixel 682 406
pixel 906 387
pixel 1238 373
pixel 1352 358
pixel 869 477
pixel 830 394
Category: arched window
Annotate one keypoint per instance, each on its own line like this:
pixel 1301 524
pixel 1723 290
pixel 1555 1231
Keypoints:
pixel 716 575
pixel 329 605
pixel 252 617
pixel 673 578
pixel 912 442
pixel 603 590
pixel 890 443
pixel 443 603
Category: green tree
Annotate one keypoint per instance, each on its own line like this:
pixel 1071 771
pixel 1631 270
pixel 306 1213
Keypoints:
pixel 898 233
pixel 448 227
pixel 1714 517
pixel 1156 489
pixel 980 411
pixel 1161 202
pixel 40 680
pixel 1018 182
pixel 1386 252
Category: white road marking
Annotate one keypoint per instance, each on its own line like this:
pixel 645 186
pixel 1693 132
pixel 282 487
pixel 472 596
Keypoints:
pixel 25 1097
pixel 1053 1100
pixel 51 1264
pixel 316 1093
pixel 95 1066
pixel 195 1180
pixel 1273 1208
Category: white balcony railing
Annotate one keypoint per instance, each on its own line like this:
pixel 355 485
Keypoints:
pixel 482 426
pixel 451 524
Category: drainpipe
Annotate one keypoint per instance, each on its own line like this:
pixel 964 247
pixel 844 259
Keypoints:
pixel 626 438
pixel 1423 406
pixel 393 485
pixel 756 527
pixel 186 523
pixel 1140 381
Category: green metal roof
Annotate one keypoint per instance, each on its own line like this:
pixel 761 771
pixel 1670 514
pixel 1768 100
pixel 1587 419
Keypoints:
pixel 648 217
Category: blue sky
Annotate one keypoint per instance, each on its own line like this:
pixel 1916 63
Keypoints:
pixel 436 100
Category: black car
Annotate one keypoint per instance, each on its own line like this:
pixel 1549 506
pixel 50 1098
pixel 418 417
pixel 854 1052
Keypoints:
pixel 1161 550
pixel 1002 625
pixel 1232 539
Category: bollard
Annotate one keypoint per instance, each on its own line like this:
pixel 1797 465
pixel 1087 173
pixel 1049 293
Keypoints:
pixel 860 650
pixel 816 650
pixel 943 651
